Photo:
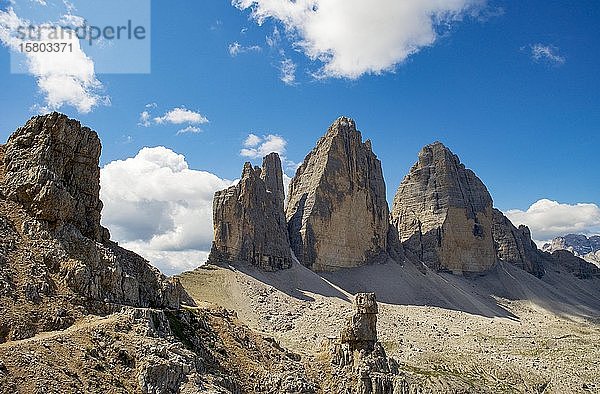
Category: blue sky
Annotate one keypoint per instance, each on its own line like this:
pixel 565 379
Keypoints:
pixel 511 87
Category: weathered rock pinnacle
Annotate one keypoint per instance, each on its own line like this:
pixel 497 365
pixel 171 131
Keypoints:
pixel 51 167
pixel 248 218
pixel 337 211
pixel 360 359
pixel 54 254
pixel 443 213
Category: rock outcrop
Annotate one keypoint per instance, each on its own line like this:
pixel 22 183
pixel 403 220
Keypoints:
pixel 56 262
pixel 51 169
pixel 515 246
pixel 336 210
pixel 249 222
pixel 443 213
pixel 360 363
pixel 565 261
pixel 127 331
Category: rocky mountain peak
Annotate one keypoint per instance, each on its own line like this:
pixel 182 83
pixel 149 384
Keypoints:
pixel 51 168
pixel 248 219
pixel 272 175
pixel 578 244
pixel 56 261
pixel 443 213
pixel 337 211
pixel 515 246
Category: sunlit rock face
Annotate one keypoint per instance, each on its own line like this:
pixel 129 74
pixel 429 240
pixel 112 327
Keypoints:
pixel 337 210
pixel 443 213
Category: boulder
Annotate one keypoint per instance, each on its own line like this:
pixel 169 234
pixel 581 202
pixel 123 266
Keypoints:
pixel 337 210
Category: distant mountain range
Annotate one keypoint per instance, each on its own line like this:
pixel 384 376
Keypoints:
pixel 579 245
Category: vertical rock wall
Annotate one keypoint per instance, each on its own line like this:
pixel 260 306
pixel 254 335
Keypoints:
pixel 337 210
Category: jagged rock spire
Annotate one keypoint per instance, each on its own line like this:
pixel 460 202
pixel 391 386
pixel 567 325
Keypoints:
pixel 337 211
pixel 51 167
pixel 248 219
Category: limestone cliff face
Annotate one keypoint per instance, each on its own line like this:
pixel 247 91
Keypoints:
pixel 51 167
pixel 515 246
pixel 337 211
pixel 56 262
pixel 443 213
pixel 249 222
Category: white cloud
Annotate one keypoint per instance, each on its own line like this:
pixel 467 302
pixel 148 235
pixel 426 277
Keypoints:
pixel 190 130
pixel 258 147
pixel 548 219
pixel 547 53
pixel 176 116
pixel 252 140
pixel 180 116
pixel 287 69
pixel 64 78
pixel 235 49
pixel 355 37
pixel 157 206
pixel 145 119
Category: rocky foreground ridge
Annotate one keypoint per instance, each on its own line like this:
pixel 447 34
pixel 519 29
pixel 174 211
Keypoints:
pixel 80 314
pixel 442 216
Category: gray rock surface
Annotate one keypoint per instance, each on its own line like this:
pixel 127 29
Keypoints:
pixel 249 222
pixel 336 210
pixel 361 329
pixel 56 261
pixel 443 213
pixel 361 365
pixel 515 246
pixel 51 167
pixel 578 244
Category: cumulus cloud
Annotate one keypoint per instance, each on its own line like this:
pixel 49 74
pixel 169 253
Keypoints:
pixel 548 219
pixel 355 37
pixel 546 53
pixel 258 147
pixel 63 78
pixel 181 115
pixel 157 206
pixel 175 116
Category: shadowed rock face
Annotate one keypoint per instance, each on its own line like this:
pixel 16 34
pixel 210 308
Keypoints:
pixel 51 167
pixel 443 213
pixel 515 246
pixel 337 211
pixel 249 222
